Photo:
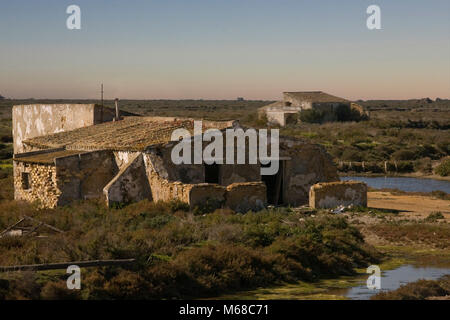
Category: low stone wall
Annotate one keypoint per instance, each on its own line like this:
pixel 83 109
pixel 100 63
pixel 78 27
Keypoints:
pixel 206 193
pixel 242 197
pixel 333 194
pixel 161 188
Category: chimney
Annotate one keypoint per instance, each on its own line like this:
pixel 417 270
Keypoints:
pixel 117 118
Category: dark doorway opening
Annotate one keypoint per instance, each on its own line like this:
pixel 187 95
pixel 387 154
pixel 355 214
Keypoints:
pixel 274 185
pixel 212 173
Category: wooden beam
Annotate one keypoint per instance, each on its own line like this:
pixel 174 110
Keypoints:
pixel 11 227
pixel 45 224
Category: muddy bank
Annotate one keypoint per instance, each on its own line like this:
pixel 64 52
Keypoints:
pixel 409 206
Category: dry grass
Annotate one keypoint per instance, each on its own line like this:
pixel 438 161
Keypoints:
pixel 434 235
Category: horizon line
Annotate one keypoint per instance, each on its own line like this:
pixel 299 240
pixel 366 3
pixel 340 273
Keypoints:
pixel 219 99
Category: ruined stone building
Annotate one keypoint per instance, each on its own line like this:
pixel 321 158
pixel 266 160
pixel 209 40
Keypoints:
pixel 286 111
pixel 72 152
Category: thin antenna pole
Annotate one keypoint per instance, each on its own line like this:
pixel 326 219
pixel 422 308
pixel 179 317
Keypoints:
pixel 101 115
pixel 117 109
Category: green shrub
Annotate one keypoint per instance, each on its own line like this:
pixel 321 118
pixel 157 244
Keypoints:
pixel 345 113
pixel 404 155
pixel 178 205
pixel 440 194
pixel 207 206
pixel 405 166
pixel 311 116
pixel 418 290
pixel 259 235
pixel 58 291
pixel 444 147
pixel 423 165
pixel 352 155
pixel 159 221
pixel 443 169
pixel 434 216
pixel 427 151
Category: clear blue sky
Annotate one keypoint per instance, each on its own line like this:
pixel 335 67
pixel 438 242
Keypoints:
pixel 222 49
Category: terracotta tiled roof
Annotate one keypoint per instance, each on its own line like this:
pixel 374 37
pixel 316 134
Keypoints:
pixel 129 134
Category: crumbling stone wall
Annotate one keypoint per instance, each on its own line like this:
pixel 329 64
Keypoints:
pixel 130 184
pixel 295 102
pixel 36 120
pixel 242 197
pixel 237 196
pixel 201 194
pixel 286 111
pixel 360 109
pixel 282 117
pixel 123 158
pixel 333 194
pixel 161 188
pixel 275 117
pixel 163 165
pixel 306 165
pixel 40 186
pixel 84 176
pixel 195 173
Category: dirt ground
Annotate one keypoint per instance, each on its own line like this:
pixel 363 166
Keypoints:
pixel 411 206
pixel 407 209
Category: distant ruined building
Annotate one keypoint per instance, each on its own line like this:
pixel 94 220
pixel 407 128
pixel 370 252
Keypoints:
pixel 67 152
pixel 287 111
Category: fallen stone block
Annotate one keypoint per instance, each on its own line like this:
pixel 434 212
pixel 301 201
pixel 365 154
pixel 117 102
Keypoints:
pixel 327 195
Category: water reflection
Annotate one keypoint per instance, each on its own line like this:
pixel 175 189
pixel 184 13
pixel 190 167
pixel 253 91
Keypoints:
pixel 393 279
